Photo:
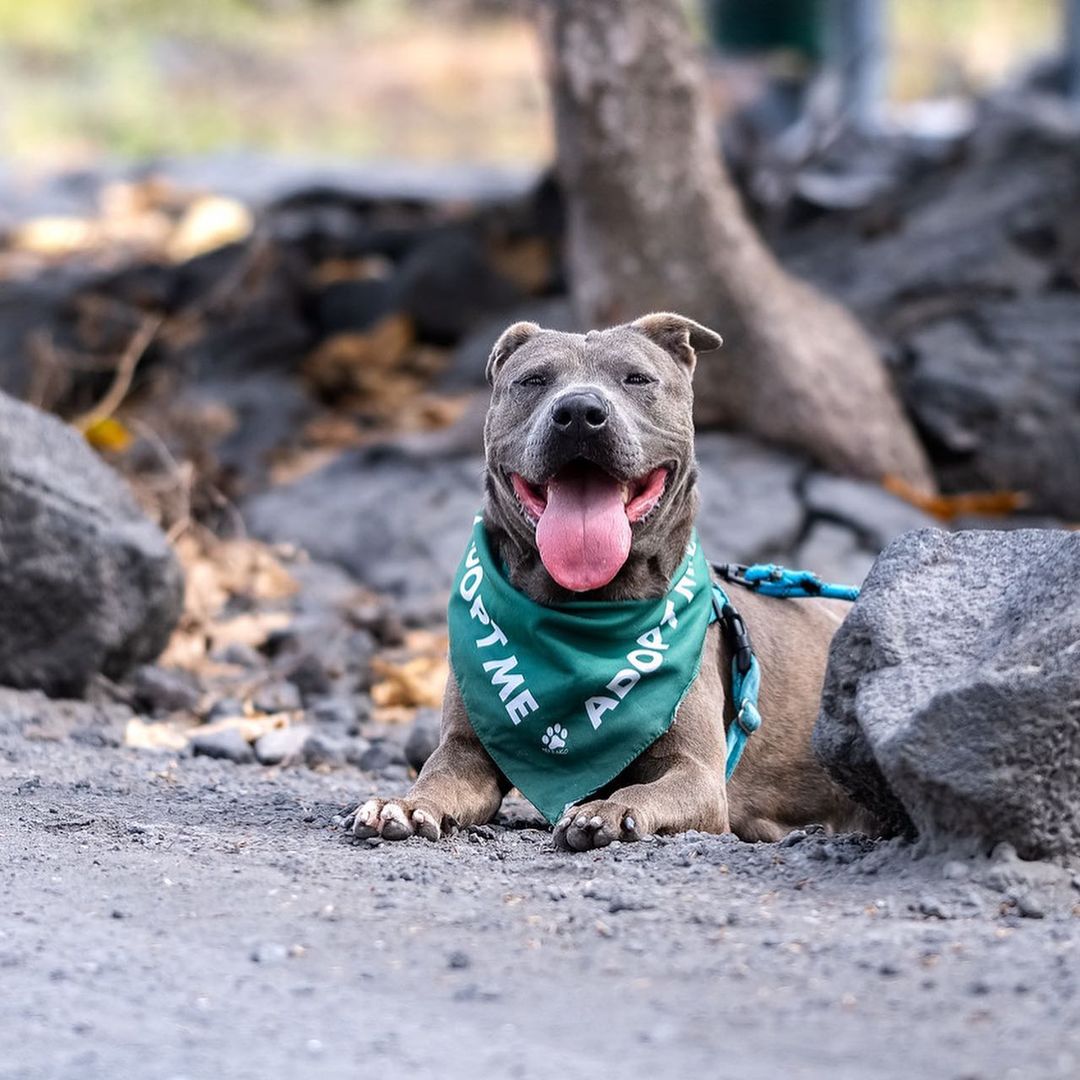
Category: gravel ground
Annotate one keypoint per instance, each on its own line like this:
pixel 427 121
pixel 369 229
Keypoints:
pixel 168 917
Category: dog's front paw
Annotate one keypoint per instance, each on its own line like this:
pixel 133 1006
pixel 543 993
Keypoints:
pixel 396 819
pixel 595 825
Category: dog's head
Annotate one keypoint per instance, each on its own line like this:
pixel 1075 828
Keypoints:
pixel 590 443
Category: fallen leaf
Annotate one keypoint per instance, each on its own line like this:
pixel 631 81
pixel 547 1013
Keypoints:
pixel 251 629
pixel 209 223
pixel 948 507
pixel 419 681
pixel 143 736
pixel 108 434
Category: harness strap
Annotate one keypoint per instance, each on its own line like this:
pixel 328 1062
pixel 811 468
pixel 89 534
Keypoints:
pixel 769 580
pixel 772 580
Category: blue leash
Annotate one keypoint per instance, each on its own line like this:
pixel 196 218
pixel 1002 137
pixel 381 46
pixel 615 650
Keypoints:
pixel 769 580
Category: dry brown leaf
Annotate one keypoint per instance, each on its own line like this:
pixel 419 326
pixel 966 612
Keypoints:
pixel 250 727
pixel 357 363
pixel 295 466
pixel 251 629
pixel 948 507
pixel 143 736
pixel 528 262
pixel 427 642
pixel 394 714
pixel 331 271
pixel 186 649
pixel 209 223
pixel 419 681
pixel 55 236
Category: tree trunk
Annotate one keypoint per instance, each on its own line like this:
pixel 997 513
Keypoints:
pixel 655 224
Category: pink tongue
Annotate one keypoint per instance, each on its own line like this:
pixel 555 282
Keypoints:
pixel 584 533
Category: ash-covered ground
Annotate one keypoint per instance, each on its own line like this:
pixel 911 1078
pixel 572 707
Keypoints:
pixel 171 916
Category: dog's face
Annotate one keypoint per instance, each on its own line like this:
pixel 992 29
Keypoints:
pixel 590 442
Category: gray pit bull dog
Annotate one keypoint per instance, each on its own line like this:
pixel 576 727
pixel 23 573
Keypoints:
pixel 591 494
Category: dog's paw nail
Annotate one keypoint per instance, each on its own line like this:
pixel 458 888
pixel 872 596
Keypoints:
pixel 581 821
pixel 564 824
pixel 629 824
pixel 596 822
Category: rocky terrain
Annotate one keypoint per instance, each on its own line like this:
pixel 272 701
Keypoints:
pixel 169 917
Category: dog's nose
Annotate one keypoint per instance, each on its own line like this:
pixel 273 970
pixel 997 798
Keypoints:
pixel 580 413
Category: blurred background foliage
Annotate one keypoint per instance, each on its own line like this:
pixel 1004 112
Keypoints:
pixel 416 80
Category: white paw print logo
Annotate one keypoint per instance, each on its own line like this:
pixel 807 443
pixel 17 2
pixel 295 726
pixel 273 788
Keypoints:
pixel 554 739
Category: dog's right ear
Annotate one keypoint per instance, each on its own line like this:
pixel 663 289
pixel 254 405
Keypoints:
pixel 511 339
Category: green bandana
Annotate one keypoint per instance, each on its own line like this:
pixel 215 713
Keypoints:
pixel 564 698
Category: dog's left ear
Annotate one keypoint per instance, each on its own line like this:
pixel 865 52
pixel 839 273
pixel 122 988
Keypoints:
pixel 510 340
pixel 677 335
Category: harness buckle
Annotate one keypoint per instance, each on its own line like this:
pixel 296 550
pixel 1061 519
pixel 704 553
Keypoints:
pixel 738 638
pixel 732 571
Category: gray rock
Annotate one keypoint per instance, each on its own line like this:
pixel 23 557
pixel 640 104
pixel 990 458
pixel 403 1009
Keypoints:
pixel 282 744
pixel 239 654
pixel 276 697
pixel 309 675
pixel 396 523
pixel 868 509
pixel 89 584
pixel 834 553
pixel 950 700
pixel 227 743
pixel 336 712
pixel 749 507
pixel 381 755
pixel 998 394
pixel 423 738
pixel 165 689
pixel 321 751
pixel 225 707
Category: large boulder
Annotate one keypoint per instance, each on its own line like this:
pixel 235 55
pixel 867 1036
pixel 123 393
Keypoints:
pixel 87 583
pixel 951 705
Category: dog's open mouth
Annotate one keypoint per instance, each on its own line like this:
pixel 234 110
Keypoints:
pixel 583 516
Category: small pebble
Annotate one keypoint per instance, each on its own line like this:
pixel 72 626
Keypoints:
pixel 282 744
pixel 423 739
pixel 239 654
pixel 227 743
pixel 333 712
pixel 932 907
pixel 1031 906
pixel 225 707
pixel 276 697
pixel 321 751
pixel 163 690
pixel 381 754
pixel 458 960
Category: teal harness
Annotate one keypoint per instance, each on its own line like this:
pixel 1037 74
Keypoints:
pixel 769 580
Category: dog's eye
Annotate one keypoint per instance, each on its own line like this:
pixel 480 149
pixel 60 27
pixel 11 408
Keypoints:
pixel 537 378
pixel 636 378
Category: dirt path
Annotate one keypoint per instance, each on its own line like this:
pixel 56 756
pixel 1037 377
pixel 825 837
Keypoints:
pixel 191 918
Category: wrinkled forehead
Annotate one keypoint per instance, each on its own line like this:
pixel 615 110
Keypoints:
pixel 591 354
